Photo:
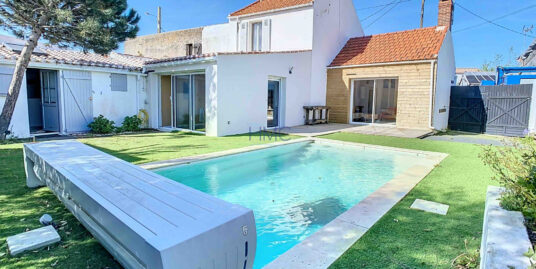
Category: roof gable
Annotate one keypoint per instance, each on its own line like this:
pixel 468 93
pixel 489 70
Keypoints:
pixel 411 45
pixel 268 5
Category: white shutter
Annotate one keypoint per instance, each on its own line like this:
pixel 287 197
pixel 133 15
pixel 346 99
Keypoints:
pixel 6 74
pixel 243 36
pixel 266 32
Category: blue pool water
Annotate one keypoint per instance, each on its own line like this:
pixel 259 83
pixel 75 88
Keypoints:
pixel 294 189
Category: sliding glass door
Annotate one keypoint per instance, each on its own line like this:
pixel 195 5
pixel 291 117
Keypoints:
pixel 189 101
pixel 273 104
pixel 374 101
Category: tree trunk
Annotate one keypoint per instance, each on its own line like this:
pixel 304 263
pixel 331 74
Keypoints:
pixel 16 82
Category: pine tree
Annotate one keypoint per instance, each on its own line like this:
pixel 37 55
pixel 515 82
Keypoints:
pixel 91 25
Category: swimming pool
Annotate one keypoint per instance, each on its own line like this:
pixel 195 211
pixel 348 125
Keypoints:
pixel 295 189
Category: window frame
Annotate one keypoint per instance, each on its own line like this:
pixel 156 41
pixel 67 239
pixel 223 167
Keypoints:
pixel 253 34
pixel 124 79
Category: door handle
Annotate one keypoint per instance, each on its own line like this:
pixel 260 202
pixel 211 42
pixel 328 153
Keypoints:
pixel 91 98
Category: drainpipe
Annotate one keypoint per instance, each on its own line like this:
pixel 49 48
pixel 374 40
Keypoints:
pixel 432 65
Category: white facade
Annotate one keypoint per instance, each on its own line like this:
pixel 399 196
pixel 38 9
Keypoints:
pixel 114 105
pixel 445 77
pixel 242 90
pixel 295 45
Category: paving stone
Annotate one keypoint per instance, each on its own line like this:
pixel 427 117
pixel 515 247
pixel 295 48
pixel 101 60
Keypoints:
pixel 32 240
pixel 430 206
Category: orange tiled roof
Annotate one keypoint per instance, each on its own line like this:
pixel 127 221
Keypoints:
pixel 411 45
pixel 267 5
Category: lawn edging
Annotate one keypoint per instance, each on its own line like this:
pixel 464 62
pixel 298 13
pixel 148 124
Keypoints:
pixel 504 236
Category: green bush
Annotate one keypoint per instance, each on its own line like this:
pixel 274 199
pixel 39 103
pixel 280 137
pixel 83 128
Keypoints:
pixel 131 124
pixel 101 125
pixel 515 169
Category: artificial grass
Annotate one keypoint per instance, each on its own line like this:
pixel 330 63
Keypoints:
pixel 407 238
pixel 403 238
pixel 21 207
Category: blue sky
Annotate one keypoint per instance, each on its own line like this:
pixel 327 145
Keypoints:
pixel 473 47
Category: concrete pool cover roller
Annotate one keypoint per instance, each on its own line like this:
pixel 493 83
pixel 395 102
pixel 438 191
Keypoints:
pixel 220 244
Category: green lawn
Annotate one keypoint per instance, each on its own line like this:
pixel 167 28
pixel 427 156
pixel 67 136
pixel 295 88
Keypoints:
pixel 416 239
pixel 20 207
pixel 406 238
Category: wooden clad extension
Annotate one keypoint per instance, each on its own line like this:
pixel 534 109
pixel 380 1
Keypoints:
pixel 413 91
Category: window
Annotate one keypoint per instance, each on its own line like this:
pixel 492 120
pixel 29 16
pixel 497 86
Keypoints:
pixel 119 82
pixel 256 36
pixel 6 74
pixel 189 49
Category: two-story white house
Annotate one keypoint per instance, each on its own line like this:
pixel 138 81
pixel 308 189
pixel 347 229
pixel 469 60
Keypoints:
pixel 257 70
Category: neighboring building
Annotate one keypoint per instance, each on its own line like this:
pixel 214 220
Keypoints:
pixel 529 57
pixel 401 79
pixel 471 78
pixel 165 45
pixel 63 89
pixel 461 70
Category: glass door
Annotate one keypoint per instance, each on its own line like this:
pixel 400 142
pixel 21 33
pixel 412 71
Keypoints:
pixel 198 106
pixel 49 88
pixel 189 101
pixel 374 101
pixel 385 100
pixel 181 101
pixel 362 101
pixel 273 104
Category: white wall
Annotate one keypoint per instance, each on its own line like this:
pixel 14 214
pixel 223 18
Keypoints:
pixel 114 105
pixel 219 38
pixel 20 124
pixel 290 29
pixel 335 21
pixel 242 90
pixel 446 74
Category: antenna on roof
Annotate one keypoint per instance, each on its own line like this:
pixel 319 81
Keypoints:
pixel 422 12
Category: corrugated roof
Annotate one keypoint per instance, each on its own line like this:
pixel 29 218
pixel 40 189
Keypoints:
pixel 411 45
pixel 267 5
pixel 50 54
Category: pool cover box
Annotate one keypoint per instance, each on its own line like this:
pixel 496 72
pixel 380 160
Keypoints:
pixel 144 220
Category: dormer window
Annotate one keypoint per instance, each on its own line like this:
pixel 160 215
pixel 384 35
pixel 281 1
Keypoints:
pixel 256 36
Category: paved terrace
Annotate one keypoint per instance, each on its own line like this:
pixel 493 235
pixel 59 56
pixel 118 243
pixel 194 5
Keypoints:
pixel 323 129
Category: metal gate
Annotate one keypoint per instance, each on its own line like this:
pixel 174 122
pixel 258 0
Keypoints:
pixel 78 100
pixel 498 110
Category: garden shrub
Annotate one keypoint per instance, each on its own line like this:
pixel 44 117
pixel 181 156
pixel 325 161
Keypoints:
pixel 131 124
pixel 515 169
pixel 101 125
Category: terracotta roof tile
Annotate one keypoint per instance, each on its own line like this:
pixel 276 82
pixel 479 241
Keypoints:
pixel 267 5
pixel 411 45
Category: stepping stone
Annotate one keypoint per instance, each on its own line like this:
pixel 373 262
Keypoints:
pixel 32 240
pixel 431 207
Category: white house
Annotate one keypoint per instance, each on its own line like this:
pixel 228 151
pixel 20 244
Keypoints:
pixel 256 71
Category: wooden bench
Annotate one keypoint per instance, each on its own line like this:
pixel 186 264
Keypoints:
pixel 143 219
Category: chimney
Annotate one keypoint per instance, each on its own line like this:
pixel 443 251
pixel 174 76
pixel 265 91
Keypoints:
pixel 445 14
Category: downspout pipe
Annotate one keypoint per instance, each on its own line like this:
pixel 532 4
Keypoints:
pixel 432 84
